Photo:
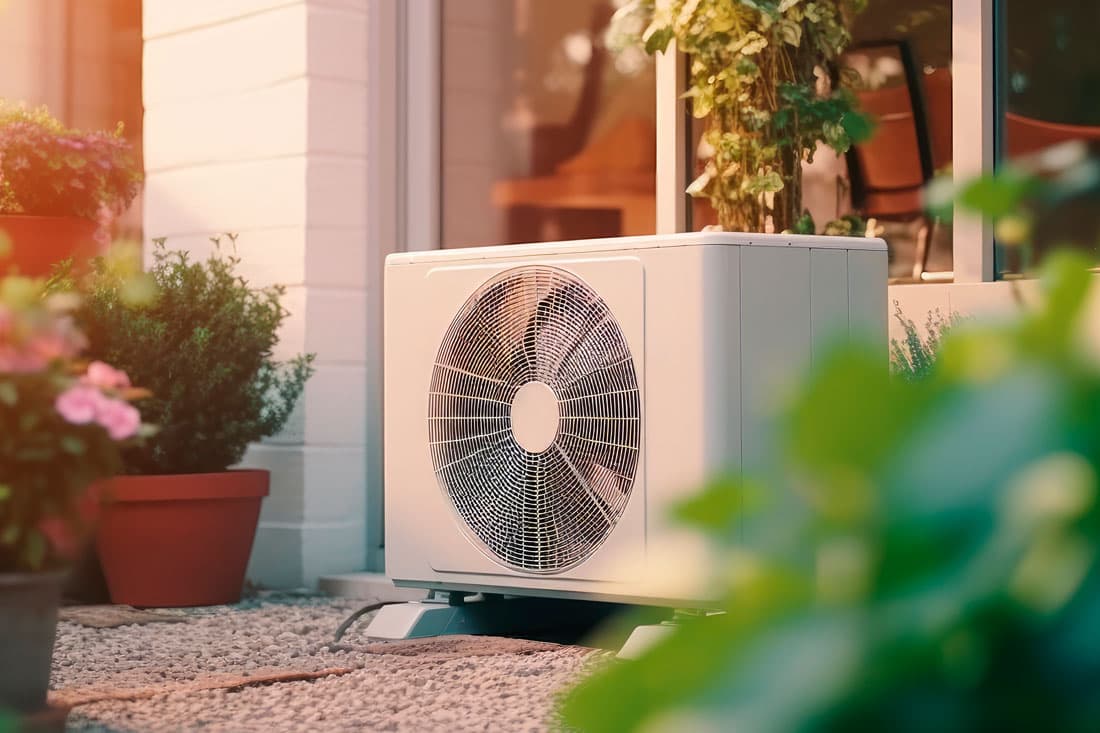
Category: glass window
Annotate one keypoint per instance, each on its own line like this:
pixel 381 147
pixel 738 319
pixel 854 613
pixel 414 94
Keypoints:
pixel 80 58
pixel 1048 84
pixel 545 135
pixel 902 50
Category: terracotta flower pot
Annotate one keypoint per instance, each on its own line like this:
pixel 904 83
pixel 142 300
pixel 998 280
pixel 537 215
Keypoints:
pixel 181 540
pixel 40 242
pixel 28 625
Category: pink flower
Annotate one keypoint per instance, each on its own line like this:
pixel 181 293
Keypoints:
pixel 14 361
pixel 50 346
pixel 61 341
pixel 120 419
pixel 79 405
pixel 105 376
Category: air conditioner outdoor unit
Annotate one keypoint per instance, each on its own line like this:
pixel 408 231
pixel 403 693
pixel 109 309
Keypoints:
pixel 545 404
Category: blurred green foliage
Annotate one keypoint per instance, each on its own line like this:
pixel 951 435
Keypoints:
pixel 925 555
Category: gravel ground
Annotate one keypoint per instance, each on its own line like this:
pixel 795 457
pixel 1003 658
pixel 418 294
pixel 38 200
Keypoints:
pixel 445 684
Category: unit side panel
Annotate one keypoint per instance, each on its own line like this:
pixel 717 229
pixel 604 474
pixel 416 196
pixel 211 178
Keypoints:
pixel 868 309
pixel 828 300
pixel 721 347
pixel 775 342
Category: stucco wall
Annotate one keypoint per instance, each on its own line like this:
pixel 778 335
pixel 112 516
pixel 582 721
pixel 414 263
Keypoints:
pixel 256 123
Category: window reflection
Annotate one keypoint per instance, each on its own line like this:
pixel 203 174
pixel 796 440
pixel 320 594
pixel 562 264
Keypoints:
pixel 545 134
pixel 903 52
pixel 1048 73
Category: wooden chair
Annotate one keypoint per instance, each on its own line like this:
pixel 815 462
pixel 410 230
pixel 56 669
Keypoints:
pixel 889 172
pixel 551 145
pixel 1026 135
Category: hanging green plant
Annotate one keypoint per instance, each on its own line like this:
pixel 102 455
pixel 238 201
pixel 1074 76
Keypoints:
pixel 765 75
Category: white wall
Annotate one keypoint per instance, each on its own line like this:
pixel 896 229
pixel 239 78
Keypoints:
pixel 984 301
pixel 256 123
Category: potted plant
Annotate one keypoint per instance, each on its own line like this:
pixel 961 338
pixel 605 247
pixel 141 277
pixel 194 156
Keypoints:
pixel 765 76
pixel 59 188
pixel 62 427
pixel 178 528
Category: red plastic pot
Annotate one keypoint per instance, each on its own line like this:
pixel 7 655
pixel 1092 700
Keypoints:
pixel 40 242
pixel 180 540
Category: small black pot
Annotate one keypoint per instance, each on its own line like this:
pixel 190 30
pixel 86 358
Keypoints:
pixel 28 625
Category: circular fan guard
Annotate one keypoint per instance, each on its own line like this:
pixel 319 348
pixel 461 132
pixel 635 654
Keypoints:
pixel 540 511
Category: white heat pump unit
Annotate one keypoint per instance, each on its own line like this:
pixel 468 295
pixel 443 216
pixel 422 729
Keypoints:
pixel 545 404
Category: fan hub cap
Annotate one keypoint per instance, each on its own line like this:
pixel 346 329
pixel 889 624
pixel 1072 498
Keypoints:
pixel 535 416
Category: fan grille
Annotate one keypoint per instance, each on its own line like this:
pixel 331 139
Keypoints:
pixel 542 511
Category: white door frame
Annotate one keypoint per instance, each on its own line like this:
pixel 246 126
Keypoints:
pixel 420 121
pixel 974 124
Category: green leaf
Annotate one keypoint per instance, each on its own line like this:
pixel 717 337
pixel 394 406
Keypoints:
pixel 996 195
pixel 838 228
pixel 9 395
pixel 770 182
pixel 805 224
pixel 687 13
pixel 746 68
pixel 791 32
pixel 702 104
pixel 73 445
pixel 859 127
pixel 699 185
pixel 658 40
pixel 834 135
pixel 10 722
pixel 850 78
pixel 5 492
pixel 1065 281
pixel 836 394
pixel 751 44
pixel 34 550
pixel 721 505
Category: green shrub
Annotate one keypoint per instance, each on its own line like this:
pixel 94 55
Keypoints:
pixel 203 347
pixel 914 356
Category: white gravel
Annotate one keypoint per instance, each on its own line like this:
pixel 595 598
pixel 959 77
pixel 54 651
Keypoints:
pixel 456 684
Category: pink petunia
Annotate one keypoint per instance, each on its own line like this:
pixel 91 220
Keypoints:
pixel 105 376
pixel 80 405
pixel 16 361
pixel 120 419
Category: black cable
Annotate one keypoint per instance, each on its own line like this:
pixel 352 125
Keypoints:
pixel 343 628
